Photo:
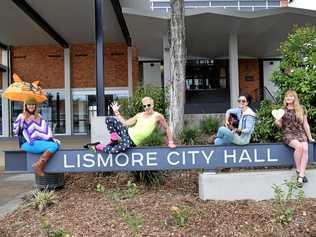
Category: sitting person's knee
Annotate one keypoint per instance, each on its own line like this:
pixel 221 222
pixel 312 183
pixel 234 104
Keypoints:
pixel 218 141
pixel 222 129
pixel 53 147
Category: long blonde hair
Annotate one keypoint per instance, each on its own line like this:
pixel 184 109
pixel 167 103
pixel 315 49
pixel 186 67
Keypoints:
pixel 26 114
pixel 299 111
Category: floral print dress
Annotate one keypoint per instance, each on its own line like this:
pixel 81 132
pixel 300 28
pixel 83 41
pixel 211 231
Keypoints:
pixel 293 128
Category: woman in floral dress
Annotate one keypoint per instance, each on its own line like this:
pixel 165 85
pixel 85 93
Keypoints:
pixel 296 132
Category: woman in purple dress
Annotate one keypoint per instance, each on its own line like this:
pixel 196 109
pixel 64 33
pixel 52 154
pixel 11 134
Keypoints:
pixel 35 136
pixel 296 132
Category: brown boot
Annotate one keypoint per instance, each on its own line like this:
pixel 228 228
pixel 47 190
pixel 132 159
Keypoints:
pixel 39 165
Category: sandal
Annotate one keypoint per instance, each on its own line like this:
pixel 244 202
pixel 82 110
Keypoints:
pixel 300 181
pixel 305 180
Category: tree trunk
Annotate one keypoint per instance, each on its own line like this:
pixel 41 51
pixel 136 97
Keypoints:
pixel 177 66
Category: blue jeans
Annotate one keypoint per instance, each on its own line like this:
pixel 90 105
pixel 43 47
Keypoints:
pixel 224 136
pixel 39 146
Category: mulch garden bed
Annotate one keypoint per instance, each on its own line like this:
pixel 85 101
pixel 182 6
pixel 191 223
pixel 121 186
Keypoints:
pixel 82 211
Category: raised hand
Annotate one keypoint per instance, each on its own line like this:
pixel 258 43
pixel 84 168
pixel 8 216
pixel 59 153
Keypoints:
pixel 115 107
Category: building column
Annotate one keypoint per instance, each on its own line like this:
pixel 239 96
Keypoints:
pixel 99 40
pixel 67 85
pixel 233 69
pixel 166 61
pixel 130 71
pixel 6 78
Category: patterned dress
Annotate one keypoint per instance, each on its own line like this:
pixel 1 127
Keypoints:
pixel 293 129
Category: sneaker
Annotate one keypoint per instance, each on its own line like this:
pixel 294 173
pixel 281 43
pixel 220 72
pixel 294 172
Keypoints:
pixel 86 146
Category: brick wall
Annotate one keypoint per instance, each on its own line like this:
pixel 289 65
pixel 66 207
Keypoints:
pixel 43 63
pixel 249 77
pixel 116 66
pixel 46 63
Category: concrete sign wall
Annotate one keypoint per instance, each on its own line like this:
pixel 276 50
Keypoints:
pixel 163 158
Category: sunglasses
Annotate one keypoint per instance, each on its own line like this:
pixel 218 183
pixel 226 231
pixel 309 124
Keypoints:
pixel 147 106
pixel 241 101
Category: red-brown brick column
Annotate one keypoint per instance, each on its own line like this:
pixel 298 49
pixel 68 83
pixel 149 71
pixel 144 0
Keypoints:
pixel 249 77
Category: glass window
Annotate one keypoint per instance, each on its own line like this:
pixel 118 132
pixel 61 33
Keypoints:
pixel 80 113
pixel 16 109
pixel 196 4
pixel 225 3
pixel 84 105
pixel 52 110
pixel 245 5
pixel 207 86
pixel 161 4
pixel 274 3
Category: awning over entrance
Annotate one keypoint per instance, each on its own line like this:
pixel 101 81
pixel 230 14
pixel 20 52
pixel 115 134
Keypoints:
pixel 73 20
pixel 259 33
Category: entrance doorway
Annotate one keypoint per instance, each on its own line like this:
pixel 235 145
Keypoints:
pixel 207 86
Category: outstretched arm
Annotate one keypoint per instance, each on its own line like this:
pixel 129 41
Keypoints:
pixel 164 124
pixel 129 122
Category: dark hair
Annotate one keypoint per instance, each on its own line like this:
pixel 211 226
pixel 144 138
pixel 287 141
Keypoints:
pixel 247 96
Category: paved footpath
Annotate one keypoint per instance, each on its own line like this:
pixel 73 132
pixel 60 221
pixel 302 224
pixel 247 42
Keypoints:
pixel 13 187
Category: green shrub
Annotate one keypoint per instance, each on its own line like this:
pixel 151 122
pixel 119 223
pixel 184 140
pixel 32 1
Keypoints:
pixel 131 192
pixel 180 215
pixel 265 129
pixel 42 199
pixel 51 232
pixel 134 221
pixel 150 178
pixel 100 188
pixel 130 107
pixel 189 136
pixel 298 69
pixel 209 125
pixel 287 197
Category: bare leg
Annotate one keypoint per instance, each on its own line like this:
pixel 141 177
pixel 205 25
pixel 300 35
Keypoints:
pixel 297 146
pixel 304 158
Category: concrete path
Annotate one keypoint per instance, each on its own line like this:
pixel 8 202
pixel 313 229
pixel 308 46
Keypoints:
pixel 13 187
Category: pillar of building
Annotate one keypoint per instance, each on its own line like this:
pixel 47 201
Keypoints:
pixel 166 61
pixel 130 70
pixel 67 91
pixel 6 79
pixel 233 69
